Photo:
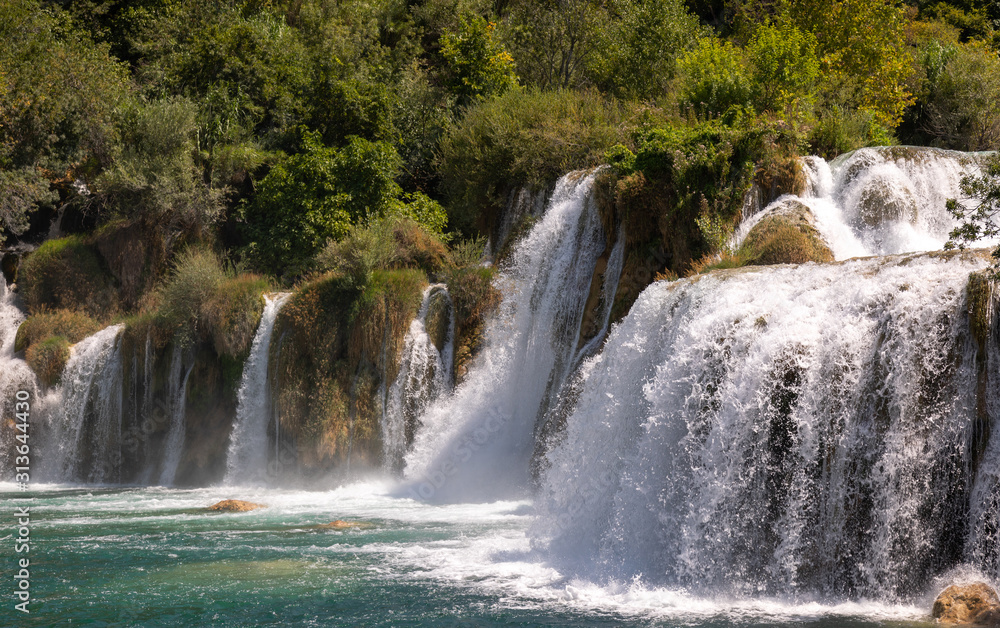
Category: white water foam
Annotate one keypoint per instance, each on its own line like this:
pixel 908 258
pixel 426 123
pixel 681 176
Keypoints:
pixel 882 201
pixel 744 432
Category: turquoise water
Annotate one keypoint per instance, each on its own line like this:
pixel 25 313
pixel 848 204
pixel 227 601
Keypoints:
pixel 155 557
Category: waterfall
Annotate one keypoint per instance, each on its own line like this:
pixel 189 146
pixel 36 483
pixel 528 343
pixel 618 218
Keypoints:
pixel 177 388
pixel 476 444
pixel 780 430
pixel 425 373
pixel 246 459
pixel 882 201
pixel 85 432
pixel 15 374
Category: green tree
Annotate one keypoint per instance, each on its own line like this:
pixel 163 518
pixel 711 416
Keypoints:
pixel 862 46
pixel 785 66
pixel 59 92
pixel 641 44
pixel 552 41
pixel 319 194
pixel 980 213
pixel 477 64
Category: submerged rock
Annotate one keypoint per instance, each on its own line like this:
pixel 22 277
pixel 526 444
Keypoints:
pixel 972 604
pixel 885 199
pixel 340 524
pixel 235 505
pixel 787 235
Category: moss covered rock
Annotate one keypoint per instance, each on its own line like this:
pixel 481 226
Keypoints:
pixel 68 273
pixel 48 358
pixel 787 235
pixel 73 326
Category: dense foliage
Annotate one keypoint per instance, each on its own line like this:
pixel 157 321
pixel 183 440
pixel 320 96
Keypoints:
pixel 269 131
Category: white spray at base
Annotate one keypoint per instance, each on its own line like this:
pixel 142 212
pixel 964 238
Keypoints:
pixel 425 373
pixel 476 444
pixel 246 459
pixel 781 431
pixel 881 201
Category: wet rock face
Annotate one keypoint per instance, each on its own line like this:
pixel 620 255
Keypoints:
pixel 974 604
pixel 787 235
pixel 438 322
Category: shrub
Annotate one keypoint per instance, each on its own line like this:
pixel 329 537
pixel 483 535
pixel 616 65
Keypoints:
pixel 154 175
pixel 68 324
pixel 233 313
pixel 840 131
pixel 318 195
pixel 478 66
pixel 713 77
pixel 391 243
pixel 784 64
pixel 521 138
pixel 961 99
pixel 48 358
pixel 67 273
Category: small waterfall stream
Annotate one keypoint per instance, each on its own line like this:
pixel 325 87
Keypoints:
pixel 15 374
pixel 177 387
pixel 246 460
pixel 425 373
pixel 86 412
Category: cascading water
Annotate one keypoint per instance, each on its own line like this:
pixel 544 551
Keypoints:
pixel 15 374
pixel 246 460
pixel 85 431
pixel 476 444
pixel 178 398
pixel 779 430
pixel 882 201
pixel 425 373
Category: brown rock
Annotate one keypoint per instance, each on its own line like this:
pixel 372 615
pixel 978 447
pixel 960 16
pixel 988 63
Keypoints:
pixel 235 505
pixel 989 618
pixel 965 603
pixel 340 524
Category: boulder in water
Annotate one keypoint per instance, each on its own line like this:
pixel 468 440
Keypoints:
pixel 883 199
pixel 786 235
pixel 235 505
pixel 972 604
pixel 340 524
